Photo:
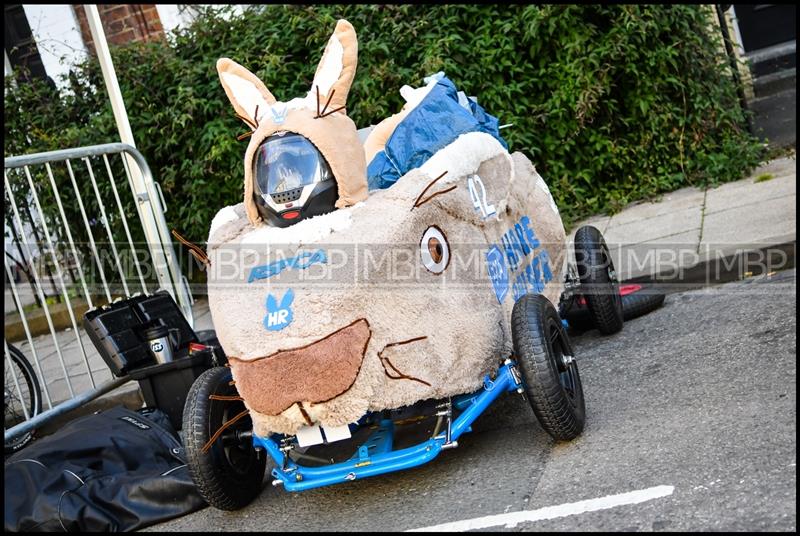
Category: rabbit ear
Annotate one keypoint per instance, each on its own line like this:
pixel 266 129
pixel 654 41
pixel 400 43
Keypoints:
pixel 245 91
pixel 287 300
pixel 272 303
pixel 337 67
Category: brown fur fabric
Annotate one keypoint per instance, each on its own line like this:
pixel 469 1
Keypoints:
pixel 313 373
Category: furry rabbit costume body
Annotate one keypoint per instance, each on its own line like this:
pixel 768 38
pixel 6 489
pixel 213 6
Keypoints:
pixel 403 297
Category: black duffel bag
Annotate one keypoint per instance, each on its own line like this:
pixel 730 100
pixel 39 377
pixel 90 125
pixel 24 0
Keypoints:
pixel 117 470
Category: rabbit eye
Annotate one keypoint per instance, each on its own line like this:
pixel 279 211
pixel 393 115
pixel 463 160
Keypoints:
pixel 434 250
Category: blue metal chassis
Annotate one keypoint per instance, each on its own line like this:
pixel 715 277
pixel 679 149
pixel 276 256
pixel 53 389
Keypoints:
pixel 375 456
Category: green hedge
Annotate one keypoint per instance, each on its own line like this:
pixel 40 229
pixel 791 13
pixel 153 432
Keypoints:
pixel 612 103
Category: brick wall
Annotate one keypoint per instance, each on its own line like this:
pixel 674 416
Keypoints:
pixel 122 23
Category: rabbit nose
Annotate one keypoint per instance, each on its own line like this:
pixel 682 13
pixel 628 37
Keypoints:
pixel 314 373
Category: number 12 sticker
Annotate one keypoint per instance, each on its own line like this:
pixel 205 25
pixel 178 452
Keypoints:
pixel 479 200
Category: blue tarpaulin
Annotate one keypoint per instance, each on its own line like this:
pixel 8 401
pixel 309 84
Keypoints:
pixel 434 123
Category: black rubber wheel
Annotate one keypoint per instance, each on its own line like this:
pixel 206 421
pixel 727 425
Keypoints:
pixel 599 283
pixel 640 303
pixel 552 382
pixel 230 474
pixel 634 304
pixel 22 393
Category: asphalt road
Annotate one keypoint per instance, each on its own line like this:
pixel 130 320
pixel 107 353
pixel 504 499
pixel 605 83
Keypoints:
pixel 699 396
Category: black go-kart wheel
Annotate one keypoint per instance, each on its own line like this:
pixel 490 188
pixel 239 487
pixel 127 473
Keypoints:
pixel 599 285
pixel 230 473
pixel 546 360
pixel 636 301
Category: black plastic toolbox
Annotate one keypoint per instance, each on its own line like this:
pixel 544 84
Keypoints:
pixel 116 330
pixel 166 385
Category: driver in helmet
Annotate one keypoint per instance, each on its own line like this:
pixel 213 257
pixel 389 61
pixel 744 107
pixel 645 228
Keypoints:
pixel 293 181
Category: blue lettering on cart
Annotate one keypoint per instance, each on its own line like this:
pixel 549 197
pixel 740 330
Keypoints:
pixel 497 272
pixel 301 261
pixel 548 275
pixel 279 316
pixel 534 277
pixel 525 223
pixel 519 245
pixel 510 250
pixel 526 250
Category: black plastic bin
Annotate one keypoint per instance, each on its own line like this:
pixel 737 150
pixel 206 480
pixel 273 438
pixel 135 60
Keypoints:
pixel 117 330
pixel 165 386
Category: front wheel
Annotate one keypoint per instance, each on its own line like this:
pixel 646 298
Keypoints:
pixel 229 474
pixel 548 367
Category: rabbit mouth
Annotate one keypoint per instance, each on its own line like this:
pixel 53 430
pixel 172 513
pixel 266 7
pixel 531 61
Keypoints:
pixel 315 373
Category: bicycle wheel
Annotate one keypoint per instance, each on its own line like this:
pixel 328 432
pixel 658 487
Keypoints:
pixel 23 397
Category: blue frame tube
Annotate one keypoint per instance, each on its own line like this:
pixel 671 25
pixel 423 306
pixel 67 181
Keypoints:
pixel 299 478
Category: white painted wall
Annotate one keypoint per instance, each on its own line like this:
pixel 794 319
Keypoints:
pixel 175 16
pixel 57 35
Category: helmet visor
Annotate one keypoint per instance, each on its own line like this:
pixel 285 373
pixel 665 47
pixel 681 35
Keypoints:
pixel 284 163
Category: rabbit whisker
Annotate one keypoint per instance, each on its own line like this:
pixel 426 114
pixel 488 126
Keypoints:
pixel 326 104
pixel 221 429
pixel 247 120
pixel 334 111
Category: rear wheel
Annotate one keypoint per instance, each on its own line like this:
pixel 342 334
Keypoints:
pixel 545 357
pixel 599 283
pixel 230 473
pixel 636 301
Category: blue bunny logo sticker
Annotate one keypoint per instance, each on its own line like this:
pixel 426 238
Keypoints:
pixel 279 316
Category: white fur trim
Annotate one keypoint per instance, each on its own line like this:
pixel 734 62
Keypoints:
pixel 304 232
pixel 331 67
pixel 543 185
pixel 226 215
pixel 464 156
pixel 246 94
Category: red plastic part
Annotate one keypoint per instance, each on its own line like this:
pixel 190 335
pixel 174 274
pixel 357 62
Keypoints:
pixel 629 289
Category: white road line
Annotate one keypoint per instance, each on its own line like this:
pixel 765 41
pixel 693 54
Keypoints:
pixel 512 519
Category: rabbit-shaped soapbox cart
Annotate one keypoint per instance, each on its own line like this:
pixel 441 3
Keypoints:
pixel 369 339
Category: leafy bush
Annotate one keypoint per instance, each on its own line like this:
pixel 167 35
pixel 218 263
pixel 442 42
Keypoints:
pixel 612 103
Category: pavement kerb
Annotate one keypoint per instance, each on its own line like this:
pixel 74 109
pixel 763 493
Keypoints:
pixel 723 266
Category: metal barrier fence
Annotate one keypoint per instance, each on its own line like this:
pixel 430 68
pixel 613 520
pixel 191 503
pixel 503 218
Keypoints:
pixel 75 241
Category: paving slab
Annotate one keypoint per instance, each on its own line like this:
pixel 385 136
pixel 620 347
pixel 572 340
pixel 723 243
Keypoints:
pixel 770 221
pixel 666 204
pixel 780 167
pixel 659 256
pixel 682 219
pixel 741 193
pixel 202 315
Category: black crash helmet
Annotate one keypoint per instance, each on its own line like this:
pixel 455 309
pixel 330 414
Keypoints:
pixel 293 180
